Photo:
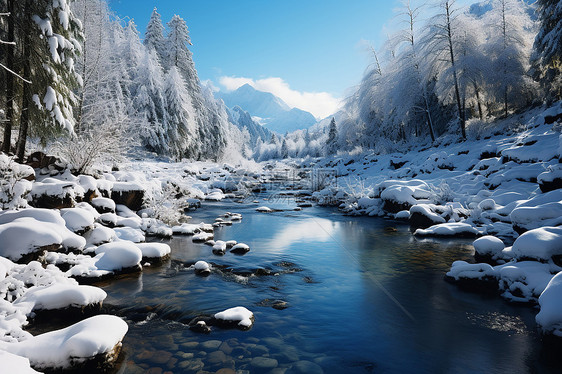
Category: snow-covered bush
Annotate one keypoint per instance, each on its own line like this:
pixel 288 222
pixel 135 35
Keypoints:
pixel 13 187
pixel 100 144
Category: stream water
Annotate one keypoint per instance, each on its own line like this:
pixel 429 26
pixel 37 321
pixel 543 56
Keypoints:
pixel 360 297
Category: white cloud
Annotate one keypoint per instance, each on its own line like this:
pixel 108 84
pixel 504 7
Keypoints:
pixel 320 104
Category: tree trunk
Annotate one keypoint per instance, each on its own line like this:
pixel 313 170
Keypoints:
pixel 455 75
pixel 478 101
pixel 10 82
pixel 24 118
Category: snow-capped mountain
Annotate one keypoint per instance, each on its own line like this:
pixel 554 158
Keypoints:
pixel 272 112
pixel 243 120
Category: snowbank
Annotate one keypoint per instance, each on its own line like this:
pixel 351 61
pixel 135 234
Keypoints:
pixel 549 318
pixel 74 345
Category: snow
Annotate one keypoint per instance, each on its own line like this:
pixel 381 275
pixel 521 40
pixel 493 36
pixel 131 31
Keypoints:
pixel 202 267
pixel 448 229
pixel 58 296
pixel 238 314
pixel 154 250
pixel 100 235
pixel 186 229
pixel 202 237
pixel 539 244
pixel 240 248
pixel 462 269
pixel 549 214
pixel 130 234
pixel 24 236
pixel 12 363
pixel 219 246
pixel 74 344
pixel 103 203
pixel 117 256
pixel 77 219
pixel 264 209
pixel 489 246
pixel 549 318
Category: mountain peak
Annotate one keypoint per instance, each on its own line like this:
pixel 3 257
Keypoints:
pixel 275 114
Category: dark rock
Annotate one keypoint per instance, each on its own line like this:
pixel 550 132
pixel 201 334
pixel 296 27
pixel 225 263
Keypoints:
pixel 131 199
pixel 485 285
pixel 52 202
pixel 549 120
pixel 392 206
pixel 547 186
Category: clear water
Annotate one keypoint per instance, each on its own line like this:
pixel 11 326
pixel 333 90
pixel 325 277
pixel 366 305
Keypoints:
pixel 361 298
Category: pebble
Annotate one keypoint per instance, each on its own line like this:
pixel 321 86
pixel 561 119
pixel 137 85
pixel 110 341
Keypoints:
pixel 305 367
pixel 264 363
pixel 225 371
pixel 211 345
pixel 190 345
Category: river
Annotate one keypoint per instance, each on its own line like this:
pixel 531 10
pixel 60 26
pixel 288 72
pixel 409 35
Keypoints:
pixel 362 295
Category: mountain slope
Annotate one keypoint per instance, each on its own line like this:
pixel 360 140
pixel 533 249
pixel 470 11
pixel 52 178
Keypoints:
pixel 273 112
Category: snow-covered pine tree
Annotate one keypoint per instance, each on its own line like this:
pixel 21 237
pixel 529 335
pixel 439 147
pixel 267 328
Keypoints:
pixel 332 142
pixel 51 40
pixel 149 104
pixel 154 35
pixel 101 99
pixel 547 54
pixel 211 119
pixel 181 126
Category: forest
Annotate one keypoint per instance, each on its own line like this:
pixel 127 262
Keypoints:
pixel 73 72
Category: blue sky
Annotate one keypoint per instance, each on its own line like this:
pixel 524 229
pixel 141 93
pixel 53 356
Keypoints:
pixel 308 52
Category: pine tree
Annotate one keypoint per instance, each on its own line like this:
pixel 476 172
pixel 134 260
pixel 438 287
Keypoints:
pixel 547 56
pixel 181 124
pixel 154 35
pixel 331 143
pixel 51 40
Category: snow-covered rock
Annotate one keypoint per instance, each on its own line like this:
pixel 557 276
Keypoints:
pixel 488 247
pixel 541 244
pixel 103 204
pixel 59 296
pixel 78 220
pixel 153 251
pixel 202 268
pixel 458 229
pixel 73 346
pixel 130 234
pixel 240 249
pixel 117 256
pixel 239 316
pixel 549 319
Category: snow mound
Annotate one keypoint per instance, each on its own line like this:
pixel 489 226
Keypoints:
pixel 130 234
pixel 489 246
pixel 539 244
pixel 117 256
pixel 264 209
pixel 449 229
pixel 59 296
pixel 73 345
pixel 238 314
pixel 25 236
pixel 154 250
pixel 78 220
pixel 462 269
pixel 549 318
pixel 12 363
